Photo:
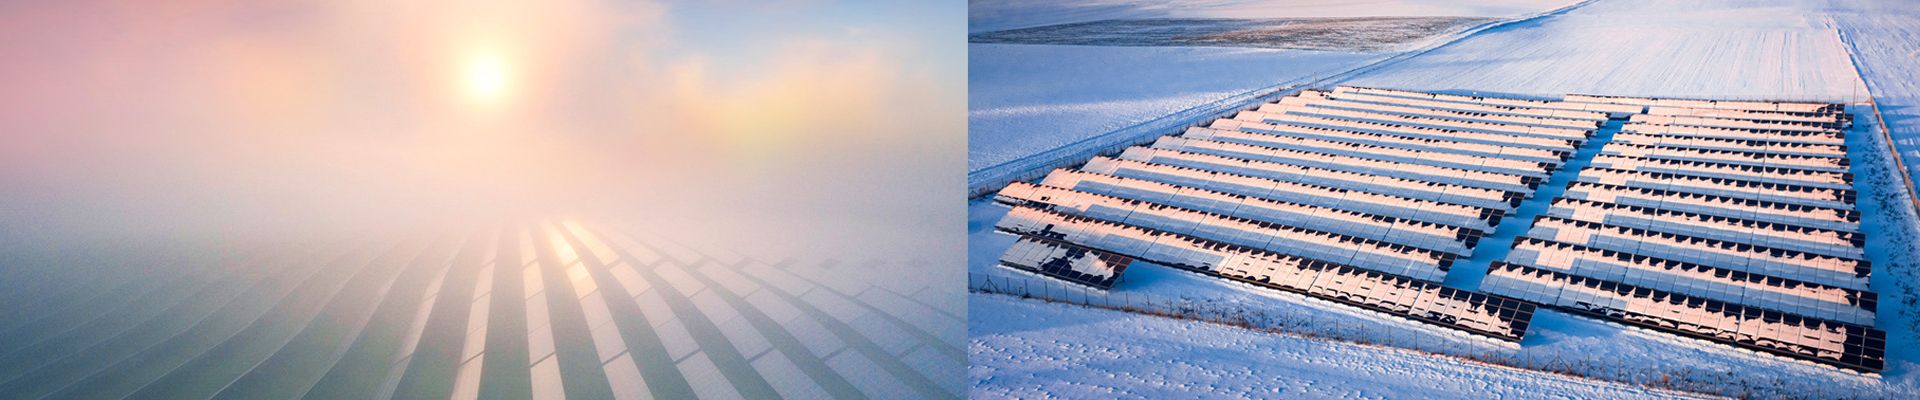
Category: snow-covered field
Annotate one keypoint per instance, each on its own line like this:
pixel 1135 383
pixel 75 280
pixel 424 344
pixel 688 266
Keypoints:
pixel 1025 99
pixel 1886 44
pixel 993 15
pixel 1028 349
pixel 1717 49
pixel 1701 49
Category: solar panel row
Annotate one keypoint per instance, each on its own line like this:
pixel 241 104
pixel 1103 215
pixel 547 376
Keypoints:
pixel 1739 134
pixel 1728 221
pixel 1464 143
pixel 1203 170
pixel 1570 104
pixel 1846 345
pixel 1066 261
pixel 1398 295
pixel 1315 98
pixel 1745 105
pixel 549 311
pixel 1360 196
pixel 1466 106
pixel 1830 164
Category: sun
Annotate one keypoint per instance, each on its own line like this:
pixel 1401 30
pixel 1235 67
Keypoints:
pixel 486 77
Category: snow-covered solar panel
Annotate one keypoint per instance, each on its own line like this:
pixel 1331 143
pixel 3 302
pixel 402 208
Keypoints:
pixel 1830 164
pixel 1315 98
pixel 1424 235
pixel 1756 146
pixel 1558 139
pixel 1736 188
pixel 1831 342
pixel 1494 316
pixel 1830 138
pixel 1066 261
pixel 1310 242
pixel 1734 123
pixel 1822 269
pixel 1720 220
pixel 1429 122
pixel 1289 190
pixel 1784 236
pixel 1792 214
pixel 1471 107
pixel 1371 152
pixel 1370 183
pixel 1779 106
pixel 1783 294
pixel 1830 120
pixel 1254 121
pixel 1805 177
pixel 1505 101
pixel 1430 173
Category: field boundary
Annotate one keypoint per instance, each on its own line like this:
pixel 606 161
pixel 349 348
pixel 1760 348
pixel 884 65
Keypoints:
pixel 1880 120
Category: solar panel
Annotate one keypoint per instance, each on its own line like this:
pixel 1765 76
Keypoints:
pixel 1421 121
pixel 1439 174
pixel 1832 164
pixel 1831 342
pixel 1066 261
pixel 1728 221
pixel 1780 106
pixel 1472 107
pixel 1824 179
pixel 1314 98
pixel 1465 144
pixel 1159 162
pixel 1743 134
pixel 1738 123
pixel 1549 104
pixel 1838 120
pixel 1374 152
pixel 1732 226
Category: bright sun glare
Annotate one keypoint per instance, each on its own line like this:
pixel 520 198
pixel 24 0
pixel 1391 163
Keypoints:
pixel 486 78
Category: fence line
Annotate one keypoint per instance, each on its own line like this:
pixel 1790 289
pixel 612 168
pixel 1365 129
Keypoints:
pixel 1905 174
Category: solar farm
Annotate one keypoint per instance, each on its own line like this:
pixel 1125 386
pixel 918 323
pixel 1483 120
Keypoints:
pixel 546 310
pixel 1729 221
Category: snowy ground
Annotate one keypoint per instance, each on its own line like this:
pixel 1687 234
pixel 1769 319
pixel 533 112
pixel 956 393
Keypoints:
pixel 1331 34
pixel 1642 48
pixel 1729 49
pixel 1886 44
pixel 1024 99
pixel 1028 349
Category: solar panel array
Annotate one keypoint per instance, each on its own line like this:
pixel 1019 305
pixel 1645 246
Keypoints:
pixel 1732 221
pixel 1357 195
pixel 540 311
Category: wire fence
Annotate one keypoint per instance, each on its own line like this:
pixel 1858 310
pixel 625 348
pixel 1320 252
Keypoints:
pixel 1424 339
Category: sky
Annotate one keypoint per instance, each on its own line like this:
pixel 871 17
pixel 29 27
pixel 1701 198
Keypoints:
pixel 786 128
